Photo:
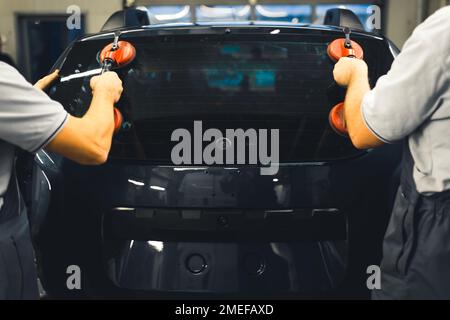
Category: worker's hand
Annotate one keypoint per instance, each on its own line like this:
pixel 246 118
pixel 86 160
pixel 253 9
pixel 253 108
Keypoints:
pixel 108 83
pixel 348 69
pixel 46 81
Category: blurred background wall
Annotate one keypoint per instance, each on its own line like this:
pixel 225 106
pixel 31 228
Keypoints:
pixel 402 16
pixel 36 29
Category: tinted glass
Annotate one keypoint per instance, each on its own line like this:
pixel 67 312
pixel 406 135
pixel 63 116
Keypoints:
pixel 228 82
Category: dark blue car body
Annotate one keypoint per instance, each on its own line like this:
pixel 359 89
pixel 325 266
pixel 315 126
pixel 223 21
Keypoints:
pixel 140 226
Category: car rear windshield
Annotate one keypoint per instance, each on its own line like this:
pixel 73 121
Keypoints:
pixel 252 81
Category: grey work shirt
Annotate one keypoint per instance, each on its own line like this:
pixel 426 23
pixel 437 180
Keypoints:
pixel 29 119
pixel 413 101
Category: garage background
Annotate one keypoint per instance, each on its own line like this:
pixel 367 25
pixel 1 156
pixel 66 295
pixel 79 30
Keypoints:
pixel 34 32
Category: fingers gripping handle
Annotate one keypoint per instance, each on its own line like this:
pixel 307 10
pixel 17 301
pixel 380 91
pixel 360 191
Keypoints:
pixel 118 118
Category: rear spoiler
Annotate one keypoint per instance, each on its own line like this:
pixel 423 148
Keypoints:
pixel 126 18
pixel 137 17
pixel 343 18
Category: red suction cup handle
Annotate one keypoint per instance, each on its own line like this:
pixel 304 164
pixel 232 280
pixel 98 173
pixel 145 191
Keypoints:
pixel 121 56
pixel 337 50
pixel 337 121
pixel 118 120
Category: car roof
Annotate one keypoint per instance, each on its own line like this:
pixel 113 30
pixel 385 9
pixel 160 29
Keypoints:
pixel 218 27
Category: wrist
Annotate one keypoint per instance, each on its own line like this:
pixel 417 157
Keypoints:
pixel 104 94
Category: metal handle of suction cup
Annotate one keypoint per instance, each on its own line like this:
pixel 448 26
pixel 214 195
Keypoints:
pixel 116 41
pixel 107 65
pixel 348 41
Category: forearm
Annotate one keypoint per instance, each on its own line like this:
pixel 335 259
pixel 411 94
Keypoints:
pixel 357 89
pixel 99 120
pixel 87 140
pixel 360 135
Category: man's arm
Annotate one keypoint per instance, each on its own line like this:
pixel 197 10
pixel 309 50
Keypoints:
pixel 30 120
pixel 88 140
pixel 407 96
pixel 354 74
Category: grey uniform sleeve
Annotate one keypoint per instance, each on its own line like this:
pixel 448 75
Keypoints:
pixel 409 94
pixel 29 119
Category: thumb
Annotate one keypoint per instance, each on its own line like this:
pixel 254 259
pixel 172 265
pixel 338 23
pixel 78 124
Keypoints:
pixel 93 82
pixel 46 81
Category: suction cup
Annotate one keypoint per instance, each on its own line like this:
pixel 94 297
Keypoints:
pixel 120 55
pixel 118 120
pixel 336 119
pixel 338 49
